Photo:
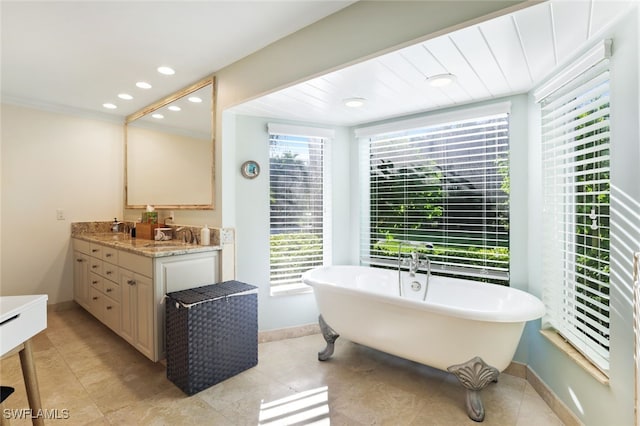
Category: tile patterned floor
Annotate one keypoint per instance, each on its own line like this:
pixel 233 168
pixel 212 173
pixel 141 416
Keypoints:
pixel 93 377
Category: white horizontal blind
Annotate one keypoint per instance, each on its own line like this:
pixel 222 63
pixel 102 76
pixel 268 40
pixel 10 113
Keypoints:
pixel 300 237
pixel 575 161
pixel 447 184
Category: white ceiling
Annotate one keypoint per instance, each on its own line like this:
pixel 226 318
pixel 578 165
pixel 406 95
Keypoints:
pixel 504 56
pixel 80 54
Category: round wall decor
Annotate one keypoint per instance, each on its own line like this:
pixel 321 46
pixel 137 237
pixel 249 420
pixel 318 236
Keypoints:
pixel 250 169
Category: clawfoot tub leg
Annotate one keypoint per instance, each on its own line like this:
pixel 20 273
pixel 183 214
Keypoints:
pixel 474 375
pixel 330 336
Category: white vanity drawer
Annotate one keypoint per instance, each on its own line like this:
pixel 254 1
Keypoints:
pixel 95 265
pixel 133 262
pixel 110 255
pixel 96 281
pixel 110 271
pixel 95 302
pixel 111 289
pixel 21 318
pixel 111 314
pixel 105 309
pixel 96 250
pixel 82 246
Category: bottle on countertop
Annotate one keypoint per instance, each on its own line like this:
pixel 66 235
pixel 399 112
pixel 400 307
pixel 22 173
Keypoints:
pixel 133 230
pixel 205 236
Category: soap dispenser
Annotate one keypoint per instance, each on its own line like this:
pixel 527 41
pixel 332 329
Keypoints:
pixel 205 236
pixel 114 225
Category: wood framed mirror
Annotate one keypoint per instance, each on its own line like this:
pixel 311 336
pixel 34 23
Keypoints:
pixel 169 151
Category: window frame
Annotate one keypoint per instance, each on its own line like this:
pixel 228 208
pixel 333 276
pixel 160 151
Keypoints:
pixel 326 137
pixel 365 134
pixel 563 282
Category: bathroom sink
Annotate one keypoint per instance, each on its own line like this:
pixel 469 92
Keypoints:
pixel 119 236
pixel 165 244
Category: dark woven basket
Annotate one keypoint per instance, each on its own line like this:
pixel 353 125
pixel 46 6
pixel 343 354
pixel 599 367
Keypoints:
pixel 214 338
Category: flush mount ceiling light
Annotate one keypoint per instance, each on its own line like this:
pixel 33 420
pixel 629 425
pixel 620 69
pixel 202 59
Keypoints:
pixel 125 96
pixel 143 85
pixel 441 80
pixel 158 116
pixel 195 99
pixel 354 102
pixel 109 106
pixel 174 108
pixel 166 70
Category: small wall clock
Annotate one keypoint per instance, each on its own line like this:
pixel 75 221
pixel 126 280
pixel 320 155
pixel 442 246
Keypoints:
pixel 250 169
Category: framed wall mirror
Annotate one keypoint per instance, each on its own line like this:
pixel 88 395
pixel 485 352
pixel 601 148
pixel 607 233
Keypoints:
pixel 169 151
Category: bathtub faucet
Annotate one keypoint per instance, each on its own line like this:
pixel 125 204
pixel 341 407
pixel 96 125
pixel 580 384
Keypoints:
pixel 414 262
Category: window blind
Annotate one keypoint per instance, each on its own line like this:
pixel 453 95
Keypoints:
pixel 300 238
pixel 447 184
pixel 575 162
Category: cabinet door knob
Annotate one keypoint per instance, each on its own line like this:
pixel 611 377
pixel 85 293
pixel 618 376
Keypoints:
pixel 94 266
pixel 108 254
pixel 109 272
pixel 79 260
pixel 94 282
pixel 131 282
pixel 109 290
pixel 95 297
pixel 108 308
pixel 94 250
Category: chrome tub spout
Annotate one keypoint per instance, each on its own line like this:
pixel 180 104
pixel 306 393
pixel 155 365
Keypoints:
pixel 414 262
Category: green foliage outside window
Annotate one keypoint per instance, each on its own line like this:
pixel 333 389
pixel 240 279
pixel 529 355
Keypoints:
pixel 592 223
pixel 461 207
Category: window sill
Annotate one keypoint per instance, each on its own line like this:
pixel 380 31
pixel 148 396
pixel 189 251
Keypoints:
pixel 290 289
pixel 559 342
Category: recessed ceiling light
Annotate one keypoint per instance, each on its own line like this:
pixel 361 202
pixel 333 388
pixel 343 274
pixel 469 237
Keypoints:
pixel 195 99
pixel 125 96
pixel 354 102
pixel 174 108
pixel 109 106
pixel 143 85
pixel 441 80
pixel 158 116
pixel 166 70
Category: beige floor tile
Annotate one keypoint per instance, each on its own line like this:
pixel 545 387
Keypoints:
pixel 85 368
pixel 186 411
pixel 534 411
pixel 242 396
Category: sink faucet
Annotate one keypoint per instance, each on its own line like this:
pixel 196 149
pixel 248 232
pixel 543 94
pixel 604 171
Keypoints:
pixel 115 225
pixel 188 237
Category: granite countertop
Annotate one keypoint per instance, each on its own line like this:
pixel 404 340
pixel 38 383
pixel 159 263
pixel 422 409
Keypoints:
pixel 149 248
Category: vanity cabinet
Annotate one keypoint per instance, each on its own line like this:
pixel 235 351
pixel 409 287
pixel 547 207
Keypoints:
pixel 137 311
pixel 81 273
pixel 126 291
pixel 103 287
pixel 136 282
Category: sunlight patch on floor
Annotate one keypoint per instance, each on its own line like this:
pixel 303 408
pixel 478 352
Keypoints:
pixel 309 407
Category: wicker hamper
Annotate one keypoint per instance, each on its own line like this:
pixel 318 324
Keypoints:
pixel 211 334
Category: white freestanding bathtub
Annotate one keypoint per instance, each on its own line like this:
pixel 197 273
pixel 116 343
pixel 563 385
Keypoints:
pixel 469 328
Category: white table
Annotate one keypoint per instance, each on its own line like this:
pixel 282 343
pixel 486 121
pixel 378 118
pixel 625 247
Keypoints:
pixel 21 318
